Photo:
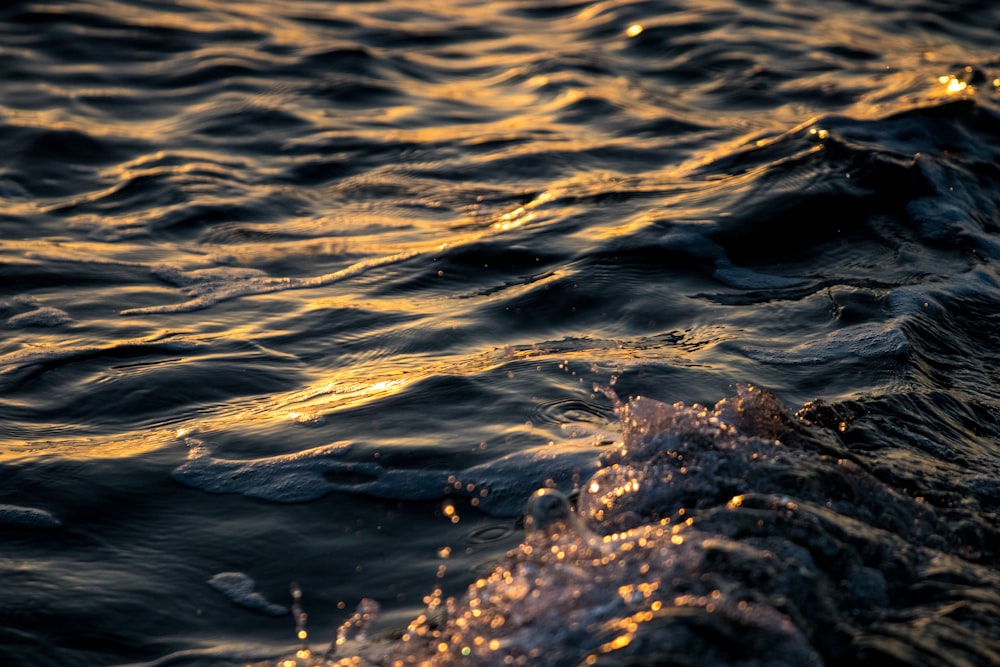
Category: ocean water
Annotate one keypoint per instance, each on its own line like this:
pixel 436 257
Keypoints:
pixel 304 302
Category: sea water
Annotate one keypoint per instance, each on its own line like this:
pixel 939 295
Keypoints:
pixel 499 333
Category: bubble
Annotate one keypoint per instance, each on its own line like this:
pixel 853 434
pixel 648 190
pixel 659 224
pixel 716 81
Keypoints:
pixel 547 511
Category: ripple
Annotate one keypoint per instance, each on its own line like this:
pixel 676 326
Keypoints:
pixel 494 533
pixel 570 411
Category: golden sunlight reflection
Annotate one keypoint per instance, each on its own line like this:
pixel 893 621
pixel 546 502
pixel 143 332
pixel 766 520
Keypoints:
pixel 954 85
pixel 81 447
pixel 344 392
pixel 522 214
pixel 965 81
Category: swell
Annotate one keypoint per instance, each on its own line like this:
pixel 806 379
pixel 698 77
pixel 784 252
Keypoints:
pixel 779 226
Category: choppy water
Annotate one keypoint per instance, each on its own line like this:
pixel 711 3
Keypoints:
pixel 320 292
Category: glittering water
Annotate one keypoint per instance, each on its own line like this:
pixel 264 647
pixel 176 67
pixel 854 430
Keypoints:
pixel 320 292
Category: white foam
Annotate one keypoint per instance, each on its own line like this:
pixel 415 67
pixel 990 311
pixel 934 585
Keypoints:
pixel 287 478
pixel 239 588
pixel 40 317
pixel 31 517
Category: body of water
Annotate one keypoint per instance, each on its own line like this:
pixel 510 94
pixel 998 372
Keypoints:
pixel 325 292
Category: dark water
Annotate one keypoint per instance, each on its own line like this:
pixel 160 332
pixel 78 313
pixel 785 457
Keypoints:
pixel 320 292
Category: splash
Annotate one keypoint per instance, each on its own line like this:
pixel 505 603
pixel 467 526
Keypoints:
pixel 734 535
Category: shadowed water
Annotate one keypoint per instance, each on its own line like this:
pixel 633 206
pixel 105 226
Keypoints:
pixel 320 292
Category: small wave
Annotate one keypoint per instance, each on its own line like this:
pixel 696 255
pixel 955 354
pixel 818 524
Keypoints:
pixel 497 487
pixel 46 316
pixel 209 287
pixel 13 365
pixel 874 341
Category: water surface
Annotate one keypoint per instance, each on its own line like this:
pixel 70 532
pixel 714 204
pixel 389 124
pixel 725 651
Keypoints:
pixel 320 292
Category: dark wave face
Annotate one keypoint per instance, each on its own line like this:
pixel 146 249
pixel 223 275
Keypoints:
pixel 327 292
